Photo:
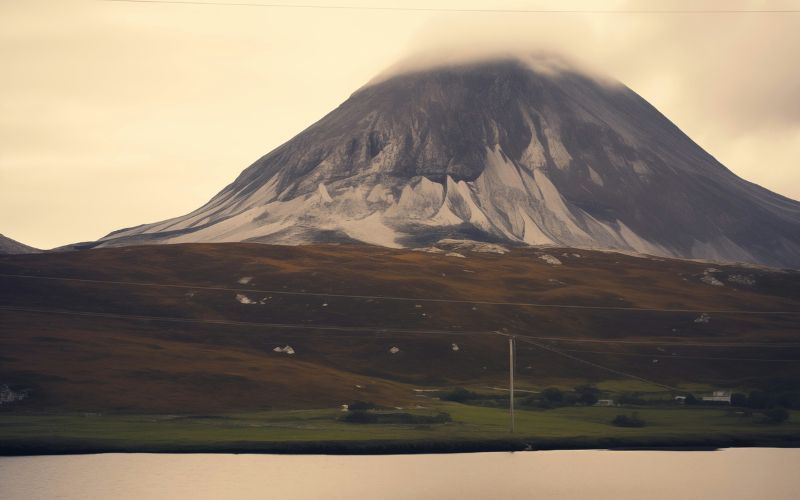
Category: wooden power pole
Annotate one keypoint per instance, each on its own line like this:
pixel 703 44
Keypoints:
pixel 511 380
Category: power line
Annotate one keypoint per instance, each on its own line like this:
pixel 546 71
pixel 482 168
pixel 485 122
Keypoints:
pixel 665 342
pixel 406 299
pixel 464 10
pixel 681 356
pixel 526 339
pixel 373 329
pixel 590 363
pixel 294 326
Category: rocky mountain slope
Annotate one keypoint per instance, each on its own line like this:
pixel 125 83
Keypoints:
pixel 9 246
pixel 508 150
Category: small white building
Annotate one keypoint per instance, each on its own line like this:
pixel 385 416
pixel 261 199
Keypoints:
pixel 718 397
pixel 604 402
pixel 8 395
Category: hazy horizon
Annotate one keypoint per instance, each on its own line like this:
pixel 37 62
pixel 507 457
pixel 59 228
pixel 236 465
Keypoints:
pixel 118 114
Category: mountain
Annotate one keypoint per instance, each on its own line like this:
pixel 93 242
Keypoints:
pixel 9 246
pixel 515 150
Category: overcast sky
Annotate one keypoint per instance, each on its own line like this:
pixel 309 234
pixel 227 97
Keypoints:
pixel 116 114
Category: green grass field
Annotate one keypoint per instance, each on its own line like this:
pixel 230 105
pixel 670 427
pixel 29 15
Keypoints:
pixel 566 427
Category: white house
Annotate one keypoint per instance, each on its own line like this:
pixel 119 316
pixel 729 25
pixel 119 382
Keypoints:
pixel 718 397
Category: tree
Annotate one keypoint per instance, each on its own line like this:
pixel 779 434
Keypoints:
pixel 777 415
pixel 361 406
pixel 587 394
pixel 459 395
pixel 628 421
pixel 690 399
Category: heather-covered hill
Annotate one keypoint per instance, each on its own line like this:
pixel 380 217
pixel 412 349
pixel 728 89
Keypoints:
pixel 204 327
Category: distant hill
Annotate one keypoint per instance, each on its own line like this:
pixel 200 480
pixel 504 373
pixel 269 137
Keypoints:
pixel 9 246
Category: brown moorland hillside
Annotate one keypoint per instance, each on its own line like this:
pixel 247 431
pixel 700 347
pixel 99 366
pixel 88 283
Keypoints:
pixel 194 328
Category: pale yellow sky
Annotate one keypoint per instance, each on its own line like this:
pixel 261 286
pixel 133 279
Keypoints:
pixel 115 114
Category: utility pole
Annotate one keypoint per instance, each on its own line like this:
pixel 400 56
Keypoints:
pixel 511 379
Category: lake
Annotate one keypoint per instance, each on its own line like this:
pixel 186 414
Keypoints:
pixel 592 474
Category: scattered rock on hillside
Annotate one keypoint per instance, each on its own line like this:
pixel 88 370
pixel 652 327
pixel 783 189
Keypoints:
pixel 429 250
pixel 703 318
pixel 553 261
pixel 471 246
pixel 742 279
pixel 710 279
pixel 244 299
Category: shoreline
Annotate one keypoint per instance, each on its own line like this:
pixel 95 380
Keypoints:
pixel 344 448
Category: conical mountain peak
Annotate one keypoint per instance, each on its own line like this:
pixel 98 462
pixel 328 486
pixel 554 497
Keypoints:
pixel 527 150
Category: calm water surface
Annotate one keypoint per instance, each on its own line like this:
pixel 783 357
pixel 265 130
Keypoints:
pixel 729 474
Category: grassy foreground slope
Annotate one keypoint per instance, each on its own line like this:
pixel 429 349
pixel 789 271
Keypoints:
pixel 320 431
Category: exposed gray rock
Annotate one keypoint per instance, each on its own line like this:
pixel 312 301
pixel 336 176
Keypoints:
pixel 9 246
pixel 742 279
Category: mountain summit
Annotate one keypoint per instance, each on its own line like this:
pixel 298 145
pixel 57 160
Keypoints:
pixel 505 150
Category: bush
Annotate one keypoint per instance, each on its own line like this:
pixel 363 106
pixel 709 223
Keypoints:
pixel 536 401
pixel 777 415
pixel 408 418
pixel 789 400
pixel 553 395
pixel 758 400
pixel 360 417
pixel 459 395
pixel 628 421
pixel 364 417
pixel 691 399
pixel 738 399
pixel 587 394
pixel 631 398
pixel 361 406
pixel 765 399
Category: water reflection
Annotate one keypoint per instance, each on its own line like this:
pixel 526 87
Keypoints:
pixel 729 474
